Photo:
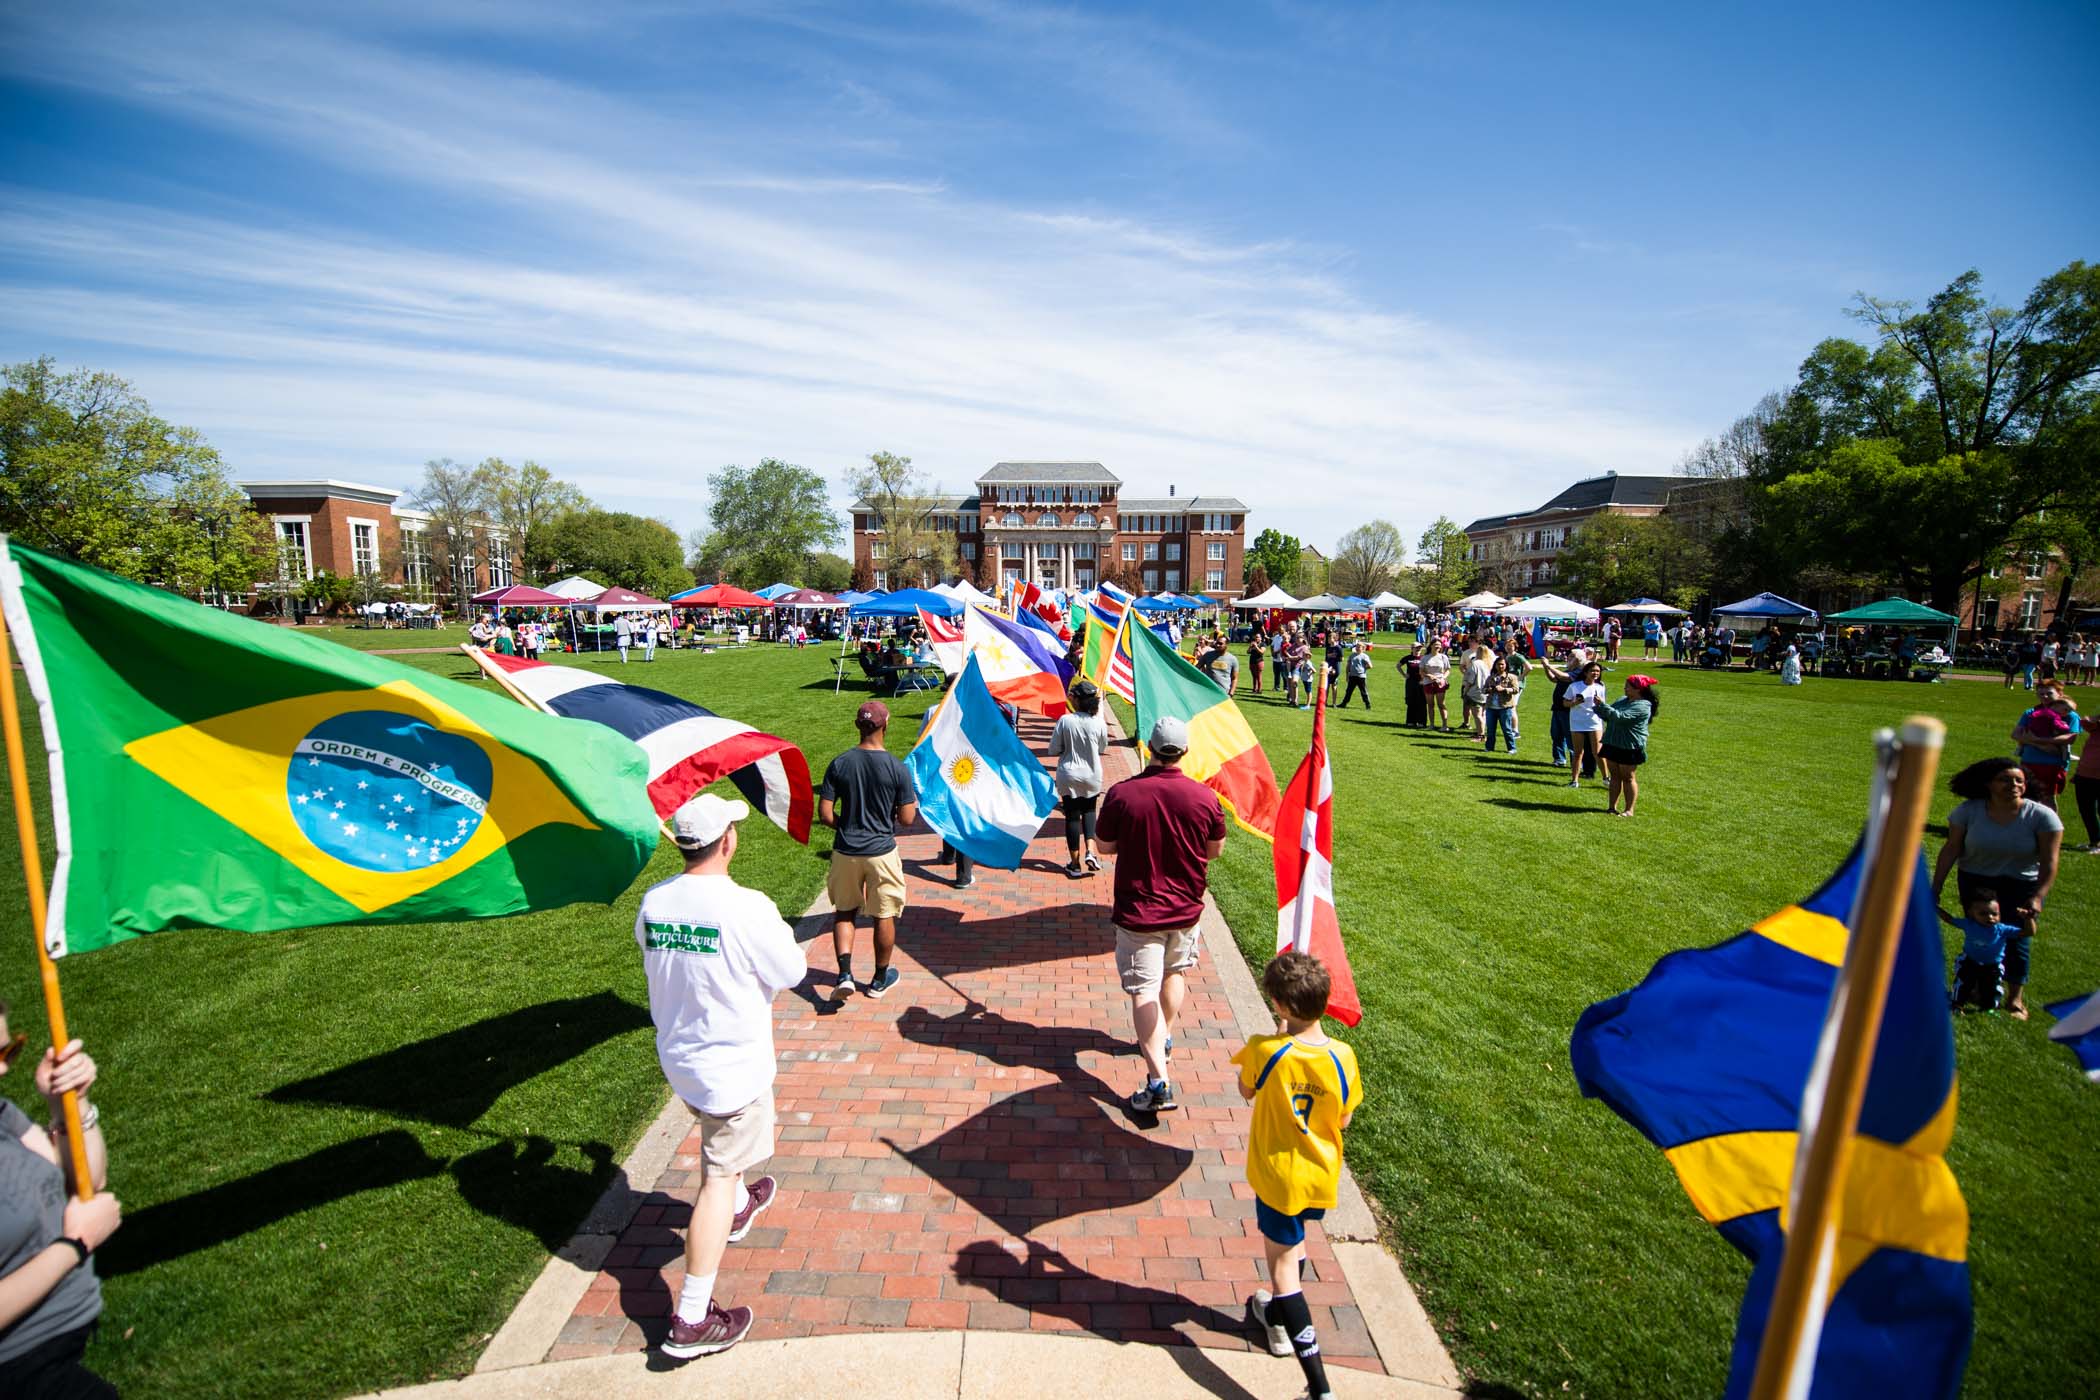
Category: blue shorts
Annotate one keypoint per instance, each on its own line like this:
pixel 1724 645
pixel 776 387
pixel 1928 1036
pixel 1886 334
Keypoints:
pixel 1284 1229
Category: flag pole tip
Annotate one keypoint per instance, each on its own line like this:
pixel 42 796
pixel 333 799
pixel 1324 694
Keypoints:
pixel 1923 732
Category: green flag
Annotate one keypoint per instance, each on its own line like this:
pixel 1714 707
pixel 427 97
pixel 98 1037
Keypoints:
pixel 210 771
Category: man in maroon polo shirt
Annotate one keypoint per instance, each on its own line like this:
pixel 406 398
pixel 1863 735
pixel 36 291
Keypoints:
pixel 1164 829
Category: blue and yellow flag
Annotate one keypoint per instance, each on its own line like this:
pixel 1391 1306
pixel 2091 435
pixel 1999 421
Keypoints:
pixel 210 771
pixel 1708 1058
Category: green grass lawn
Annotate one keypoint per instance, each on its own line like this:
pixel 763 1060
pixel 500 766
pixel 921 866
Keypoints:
pixel 345 1152
pixel 1485 905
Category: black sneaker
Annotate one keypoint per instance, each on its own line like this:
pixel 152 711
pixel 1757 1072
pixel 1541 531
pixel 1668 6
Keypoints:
pixel 1154 1098
pixel 720 1330
pixel 1075 871
pixel 884 980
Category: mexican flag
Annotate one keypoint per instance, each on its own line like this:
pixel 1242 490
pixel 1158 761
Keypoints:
pixel 1223 752
pixel 208 771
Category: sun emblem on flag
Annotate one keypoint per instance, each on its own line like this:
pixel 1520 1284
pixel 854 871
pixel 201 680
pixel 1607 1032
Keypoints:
pixel 962 770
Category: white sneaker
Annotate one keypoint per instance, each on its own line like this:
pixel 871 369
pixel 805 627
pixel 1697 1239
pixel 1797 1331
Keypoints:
pixel 1258 1318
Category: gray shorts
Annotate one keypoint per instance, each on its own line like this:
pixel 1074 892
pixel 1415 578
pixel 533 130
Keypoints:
pixel 738 1142
pixel 1143 960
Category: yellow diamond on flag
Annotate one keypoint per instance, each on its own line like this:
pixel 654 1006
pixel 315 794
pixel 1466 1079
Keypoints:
pixel 375 794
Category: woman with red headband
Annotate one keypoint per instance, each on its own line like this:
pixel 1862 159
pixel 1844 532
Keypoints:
pixel 1626 722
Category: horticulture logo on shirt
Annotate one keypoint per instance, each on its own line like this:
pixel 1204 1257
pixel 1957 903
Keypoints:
pixel 704 939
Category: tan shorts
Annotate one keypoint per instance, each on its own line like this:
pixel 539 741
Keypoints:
pixel 874 885
pixel 1144 959
pixel 738 1142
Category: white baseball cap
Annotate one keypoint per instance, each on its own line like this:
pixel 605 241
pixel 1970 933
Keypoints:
pixel 702 821
pixel 1169 736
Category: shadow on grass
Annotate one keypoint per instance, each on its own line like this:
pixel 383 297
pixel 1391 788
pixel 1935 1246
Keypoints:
pixel 455 1077
pixel 1518 804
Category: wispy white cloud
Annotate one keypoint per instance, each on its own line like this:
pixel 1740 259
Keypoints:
pixel 666 299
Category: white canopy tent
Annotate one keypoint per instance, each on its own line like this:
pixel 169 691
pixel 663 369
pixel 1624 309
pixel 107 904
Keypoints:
pixel 576 588
pixel 1549 607
pixel 1649 607
pixel 1390 599
pixel 963 591
pixel 1271 597
pixel 1326 603
pixel 1480 602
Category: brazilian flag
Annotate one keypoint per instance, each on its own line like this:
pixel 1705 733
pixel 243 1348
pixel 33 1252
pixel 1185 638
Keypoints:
pixel 208 771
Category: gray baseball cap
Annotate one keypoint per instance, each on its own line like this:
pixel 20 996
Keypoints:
pixel 1169 736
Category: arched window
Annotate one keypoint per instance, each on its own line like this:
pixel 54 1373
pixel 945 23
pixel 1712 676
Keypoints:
pixel 1012 520
pixel 1048 517
pixel 1082 520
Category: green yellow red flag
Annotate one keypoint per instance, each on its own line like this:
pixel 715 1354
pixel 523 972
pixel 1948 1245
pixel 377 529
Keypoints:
pixel 211 771
pixel 1223 753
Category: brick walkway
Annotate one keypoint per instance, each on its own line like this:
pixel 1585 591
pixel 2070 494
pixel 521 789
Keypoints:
pixel 958 1154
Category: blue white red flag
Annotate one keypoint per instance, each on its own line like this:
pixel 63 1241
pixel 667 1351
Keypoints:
pixel 2078 1026
pixel 689 746
pixel 1021 665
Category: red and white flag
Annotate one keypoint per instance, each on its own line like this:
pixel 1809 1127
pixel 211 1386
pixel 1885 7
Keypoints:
pixel 946 635
pixel 1304 853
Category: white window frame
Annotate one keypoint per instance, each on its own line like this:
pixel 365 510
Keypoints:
pixel 306 539
pixel 1130 553
pixel 1048 517
pixel 1173 580
pixel 1174 550
pixel 1215 551
pixel 1214 581
pixel 1152 551
pixel 969 549
pixel 356 568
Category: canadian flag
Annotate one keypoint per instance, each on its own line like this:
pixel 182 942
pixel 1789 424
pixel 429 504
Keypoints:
pixel 949 648
pixel 1304 854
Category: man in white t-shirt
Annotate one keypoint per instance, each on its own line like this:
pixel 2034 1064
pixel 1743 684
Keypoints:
pixel 716 954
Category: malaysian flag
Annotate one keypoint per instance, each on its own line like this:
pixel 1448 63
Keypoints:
pixel 1304 855
pixel 688 745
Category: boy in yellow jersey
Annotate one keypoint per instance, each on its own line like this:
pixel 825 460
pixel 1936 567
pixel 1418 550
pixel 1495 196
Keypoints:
pixel 1304 1088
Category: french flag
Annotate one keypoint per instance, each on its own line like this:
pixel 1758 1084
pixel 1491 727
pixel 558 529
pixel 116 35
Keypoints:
pixel 689 746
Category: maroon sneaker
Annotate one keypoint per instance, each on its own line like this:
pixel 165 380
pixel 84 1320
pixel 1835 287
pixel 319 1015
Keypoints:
pixel 761 1193
pixel 720 1330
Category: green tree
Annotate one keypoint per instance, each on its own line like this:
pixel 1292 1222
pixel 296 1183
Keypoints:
pixel 526 502
pixel 87 470
pixel 457 498
pixel 827 573
pixel 631 551
pixel 1612 558
pixel 1368 559
pixel 904 506
pixel 1276 555
pixel 1444 567
pixel 1960 406
pixel 765 524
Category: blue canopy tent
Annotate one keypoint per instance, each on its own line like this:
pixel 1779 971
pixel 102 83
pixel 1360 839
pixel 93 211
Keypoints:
pixel 1767 605
pixel 1360 604
pixel 1153 605
pixel 774 590
pixel 906 602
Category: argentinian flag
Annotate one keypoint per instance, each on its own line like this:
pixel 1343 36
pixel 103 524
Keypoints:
pixel 979 786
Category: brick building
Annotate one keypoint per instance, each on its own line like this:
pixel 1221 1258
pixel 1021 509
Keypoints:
pixel 349 529
pixel 1518 554
pixel 1069 525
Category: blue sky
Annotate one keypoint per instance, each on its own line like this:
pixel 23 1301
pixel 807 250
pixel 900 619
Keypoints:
pixel 1341 261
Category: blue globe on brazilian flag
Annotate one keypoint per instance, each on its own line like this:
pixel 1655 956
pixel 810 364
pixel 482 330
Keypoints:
pixel 208 771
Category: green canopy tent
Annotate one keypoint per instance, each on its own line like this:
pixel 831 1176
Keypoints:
pixel 1903 614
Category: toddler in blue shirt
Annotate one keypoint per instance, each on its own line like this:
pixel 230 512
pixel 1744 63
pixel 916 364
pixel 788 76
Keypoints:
pixel 1982 949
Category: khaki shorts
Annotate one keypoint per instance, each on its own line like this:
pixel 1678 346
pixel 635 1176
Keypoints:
pixel 1143 960
pixel 874 885
pixel 738 1142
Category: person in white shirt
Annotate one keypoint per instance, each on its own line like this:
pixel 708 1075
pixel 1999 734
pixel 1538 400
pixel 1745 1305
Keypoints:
pixel 648 637
pixel 623 635
pixel 716 954
pixel 1583 699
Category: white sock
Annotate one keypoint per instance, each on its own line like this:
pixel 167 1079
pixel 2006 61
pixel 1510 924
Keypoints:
pixel 694 1297
pixel 743 1196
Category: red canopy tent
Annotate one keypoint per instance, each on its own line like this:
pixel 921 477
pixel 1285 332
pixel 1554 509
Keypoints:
pixel 719 595
pixel 616 600
pixel 809 598
pixel 521 595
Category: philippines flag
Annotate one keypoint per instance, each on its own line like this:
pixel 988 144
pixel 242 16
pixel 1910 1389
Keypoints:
pixel 946 635
pixel 688 745
pixel 979 786
pixel 1304 854
pixel 1021 665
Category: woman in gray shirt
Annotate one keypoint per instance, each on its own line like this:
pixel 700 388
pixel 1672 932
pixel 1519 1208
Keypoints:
pixel 2003 843
pixel 1076 744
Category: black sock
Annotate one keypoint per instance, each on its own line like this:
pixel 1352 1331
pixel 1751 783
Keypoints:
pixel 1289 1311
pixel 845 967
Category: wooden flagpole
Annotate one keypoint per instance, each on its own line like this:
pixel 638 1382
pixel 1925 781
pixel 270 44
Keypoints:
pixel 33 878
pixel 1868 963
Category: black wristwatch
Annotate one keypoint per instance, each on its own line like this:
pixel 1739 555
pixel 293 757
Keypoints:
pixel 79 1247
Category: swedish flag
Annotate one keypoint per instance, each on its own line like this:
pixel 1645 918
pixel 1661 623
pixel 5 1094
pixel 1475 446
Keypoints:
pixel 1708 1058
pixel 210 771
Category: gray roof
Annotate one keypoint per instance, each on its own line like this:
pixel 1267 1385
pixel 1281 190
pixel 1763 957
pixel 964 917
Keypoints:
pixel 1031 473
pixel 1594 493
pixel 1183 504
pixel 939 502
pixel 1490 522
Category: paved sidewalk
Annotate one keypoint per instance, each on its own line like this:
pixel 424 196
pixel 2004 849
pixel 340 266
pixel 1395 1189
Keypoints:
pixel 957 1155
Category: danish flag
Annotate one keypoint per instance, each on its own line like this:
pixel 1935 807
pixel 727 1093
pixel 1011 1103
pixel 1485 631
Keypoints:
pixel 1304 854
